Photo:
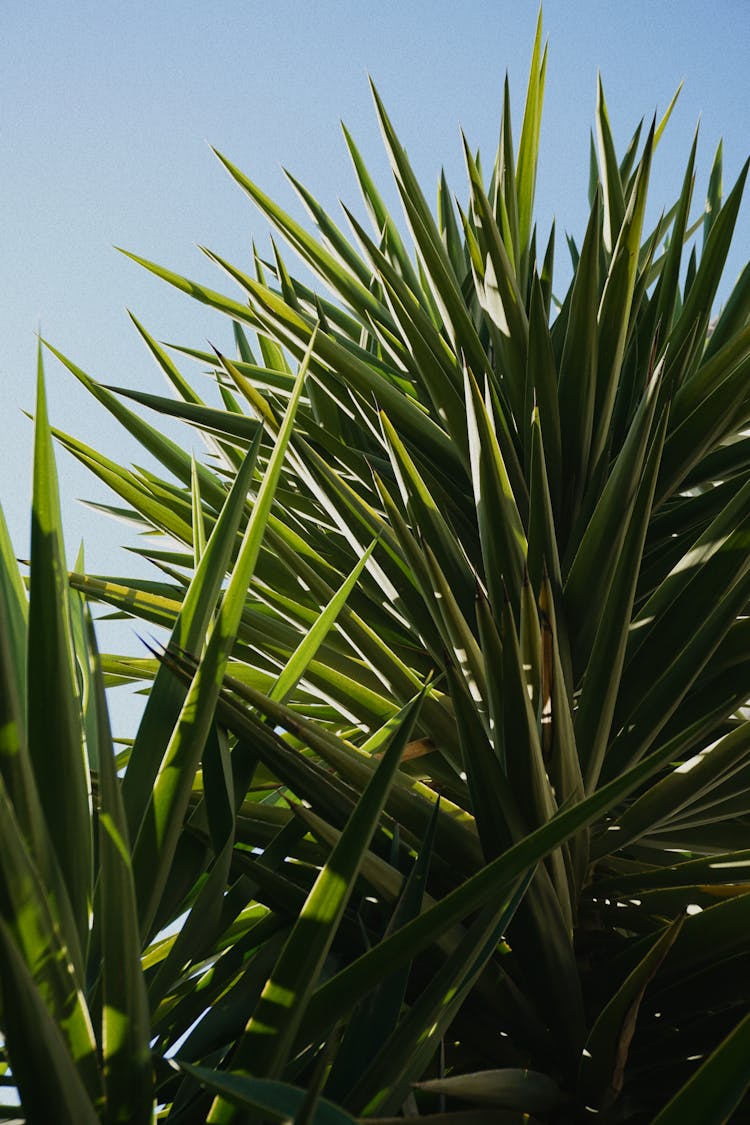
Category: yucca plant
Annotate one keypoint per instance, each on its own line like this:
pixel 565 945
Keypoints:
pixel 88 945
pixel 507 545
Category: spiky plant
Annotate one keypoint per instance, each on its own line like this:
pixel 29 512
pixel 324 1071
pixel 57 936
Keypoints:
pixel 512 527
pixel 74 1015
pixel 96 975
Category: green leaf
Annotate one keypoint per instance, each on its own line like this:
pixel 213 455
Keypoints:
pixel 499 293
pixel 506 208
pixel 501 531
pixel 449 228
pixel 277 1099
pixel 126 1027
pixel 616 310
pixel 542 539
pixel 15 766
pixel 491 799
pixel 235 427
pixel 598 701
pixel 667 114
pixel 523 752
pixel 381 220
pixel 15 612
pixel 668 285
pixel 36 914
pixel 50 1085
pixel 627 162
pixel 53 701
pixel 426 519
pixel 577 378
pixel 604 1059
pixel 234 309
pixel 199 530
pixel 590 574
pixel 713 197
pixel 541 389
pixel 459 638
pixel 309 645
pixel 614 202
pixel 528 147
pixel 529 1090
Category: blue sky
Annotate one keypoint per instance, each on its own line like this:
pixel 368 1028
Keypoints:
pixel 108 111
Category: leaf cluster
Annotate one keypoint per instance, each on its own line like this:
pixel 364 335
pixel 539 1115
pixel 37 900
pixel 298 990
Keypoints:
pixel 437 801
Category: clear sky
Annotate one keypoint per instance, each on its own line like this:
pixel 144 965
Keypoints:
pixel 107 111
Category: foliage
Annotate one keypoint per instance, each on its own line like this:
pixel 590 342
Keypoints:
pixel 449 776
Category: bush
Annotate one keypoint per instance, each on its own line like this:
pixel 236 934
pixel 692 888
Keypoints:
pixel 449 774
